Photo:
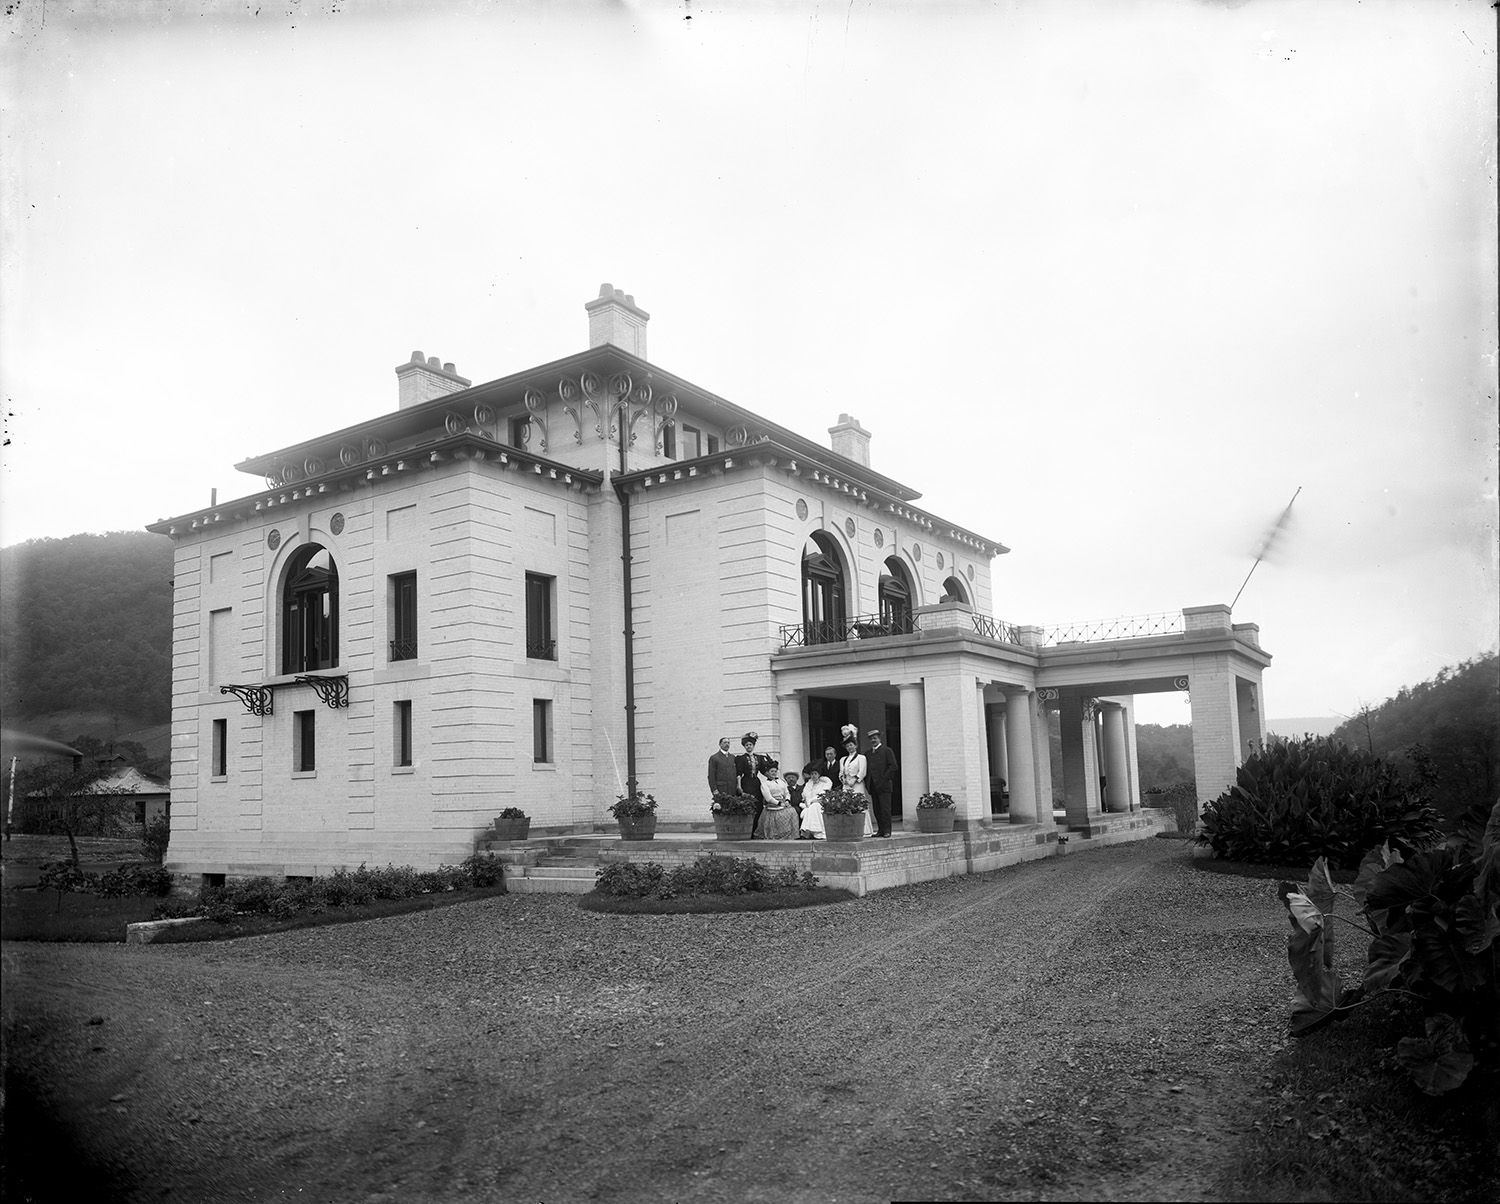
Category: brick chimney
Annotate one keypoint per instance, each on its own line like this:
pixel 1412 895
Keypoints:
pixel 851 440
pixel 615 318
pixel 423 379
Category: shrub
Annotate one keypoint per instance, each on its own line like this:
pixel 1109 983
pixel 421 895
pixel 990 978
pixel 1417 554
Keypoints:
pixel 253 894
pixel 64 876
pixel 135 880
pixel 155 838
pixel 175 909
pixel 633 806
pixel 732 802
pixel 844 802
pixel 627 879
pixel 343 889
pixel 483 869
pixel 444 878
pixel 1297 800
pixel 513 813
pixel 1181 798
pixel 935 801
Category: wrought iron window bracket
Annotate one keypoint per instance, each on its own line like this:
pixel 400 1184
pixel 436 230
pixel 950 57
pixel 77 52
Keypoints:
pixel 333 692
pixel 257 699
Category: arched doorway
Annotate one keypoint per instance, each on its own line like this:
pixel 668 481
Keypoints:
pixel 895 598
pixel 824 590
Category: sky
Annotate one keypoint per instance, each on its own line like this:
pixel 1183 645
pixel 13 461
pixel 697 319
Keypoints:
pixel 1107 282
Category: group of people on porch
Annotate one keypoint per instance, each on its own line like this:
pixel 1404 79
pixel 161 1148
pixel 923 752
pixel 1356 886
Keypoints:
pixel 788 806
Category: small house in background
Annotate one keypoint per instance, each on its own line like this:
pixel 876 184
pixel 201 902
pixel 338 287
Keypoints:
pixel 149 798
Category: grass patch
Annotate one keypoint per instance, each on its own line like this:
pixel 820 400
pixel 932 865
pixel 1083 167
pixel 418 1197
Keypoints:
pixel 1346 1123
pixel 773 900
pixel 34 915
pixel 39 915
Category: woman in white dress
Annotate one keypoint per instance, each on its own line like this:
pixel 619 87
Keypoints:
pixel 852 770
pixel 814 787
pixel 778 821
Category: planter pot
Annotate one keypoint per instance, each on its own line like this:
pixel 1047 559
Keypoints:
pixel 636 827
pixel 512 829
pixel 844 827
pixel 734 827
pixel 935 819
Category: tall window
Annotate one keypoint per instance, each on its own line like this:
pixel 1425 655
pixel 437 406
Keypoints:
pixel 310 611
pixel 669 441
pixel 895 598
pixel 401 733
pixel 713 444
pixel 822 590
pixel 541 731
pixel 403 616
pixel 304 741
pixel 219 761
pixel 519 429
pixel 541 643
pixel 955 590
pixel 692 442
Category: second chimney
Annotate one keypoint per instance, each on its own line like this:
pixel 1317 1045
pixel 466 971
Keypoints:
pixel 851 440
pixel 615 318
pixel 423 379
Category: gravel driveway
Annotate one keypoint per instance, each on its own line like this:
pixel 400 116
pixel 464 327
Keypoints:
pixel 1092 1026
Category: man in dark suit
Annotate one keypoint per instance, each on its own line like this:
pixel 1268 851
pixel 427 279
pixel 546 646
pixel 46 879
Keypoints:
pixel 747 766
pixel 880 777
pixel 721 770
pixel 830 764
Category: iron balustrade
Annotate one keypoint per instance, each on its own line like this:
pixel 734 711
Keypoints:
pixel 836 631
pixel 403 650
pixel 997 629
pixel 1127 628
pixel 541 650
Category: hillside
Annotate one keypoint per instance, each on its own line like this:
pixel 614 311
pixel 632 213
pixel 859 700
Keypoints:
pixel 86 636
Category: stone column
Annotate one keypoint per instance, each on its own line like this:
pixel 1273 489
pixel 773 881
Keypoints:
pixel 1216 735
pixel 1077 741
pixel 954 742
pixel 913 746
pixel 984 754
pixel 792 753
pixel 1022 780
pixel 1116 759
pixel 996 728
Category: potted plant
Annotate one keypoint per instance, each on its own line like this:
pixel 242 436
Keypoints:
pixel 935 812
pixel 844 814
pixel 512 824
pixel 636 814
pixel 734 815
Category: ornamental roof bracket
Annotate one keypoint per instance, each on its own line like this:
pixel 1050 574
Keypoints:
pixel 258 700
pixel 333 692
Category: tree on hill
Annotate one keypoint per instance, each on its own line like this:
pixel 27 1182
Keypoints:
pixel 1451 722
pixel 1164 754
pixel 86 625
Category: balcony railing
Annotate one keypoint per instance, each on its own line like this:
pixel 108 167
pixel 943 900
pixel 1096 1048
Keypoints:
pixel 1130 627
pixel 403 650
pixel 836 631
pixel 541 650
pixel 997 629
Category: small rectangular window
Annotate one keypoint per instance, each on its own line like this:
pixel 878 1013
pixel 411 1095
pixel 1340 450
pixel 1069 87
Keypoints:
pixel 403 616
pixel 541 643
pixel 541 731
pixel 669 441
pixel 304 741
pixel 692 442
pixel 219 764
pixel 401 733
pixel 713 445
pixel 519 430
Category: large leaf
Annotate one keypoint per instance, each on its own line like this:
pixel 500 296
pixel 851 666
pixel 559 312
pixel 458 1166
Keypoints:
pixel 1376 862
pixel 1403 884
pixel 1388 953
pixel 1477 922
pixel 1319 887
pixel 1441 1060
pixel 1317 982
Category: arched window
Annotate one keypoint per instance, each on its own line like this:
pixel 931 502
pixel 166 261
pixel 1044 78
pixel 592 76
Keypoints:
pixel 822 590
pixel 310 611
pixel 955 590
pixel 895 598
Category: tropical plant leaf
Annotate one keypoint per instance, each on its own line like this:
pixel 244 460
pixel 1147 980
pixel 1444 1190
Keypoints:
pixel 1441 1060
pixel 1388 953
pixel 1477 922
pixel 1317 982
pixel 1319 887
pixel 1306 1017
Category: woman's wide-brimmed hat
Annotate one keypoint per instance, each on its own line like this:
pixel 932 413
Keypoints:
pixel 749 738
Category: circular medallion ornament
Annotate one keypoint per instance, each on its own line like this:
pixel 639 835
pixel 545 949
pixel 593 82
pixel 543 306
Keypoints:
pixel 916 552
pixel 455 425
pixel 971 572
pixel 879 538
pixel 348 455
pixel 940 560
pixel 801 510
pixel 667 406
pixel 375 447
pixel 484 415
pixel 849 527
pixel 590 385
pixel 313 466
pixel 336 524
pixel 620 384
pixel 534 400
pixel 273 540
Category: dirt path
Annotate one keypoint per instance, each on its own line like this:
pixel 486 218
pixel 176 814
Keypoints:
pixel 1092 1027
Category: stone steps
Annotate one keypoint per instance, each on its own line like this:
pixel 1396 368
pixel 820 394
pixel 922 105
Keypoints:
pixel 552 875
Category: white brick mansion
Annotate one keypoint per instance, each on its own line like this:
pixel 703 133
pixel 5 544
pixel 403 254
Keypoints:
pixel 530 591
